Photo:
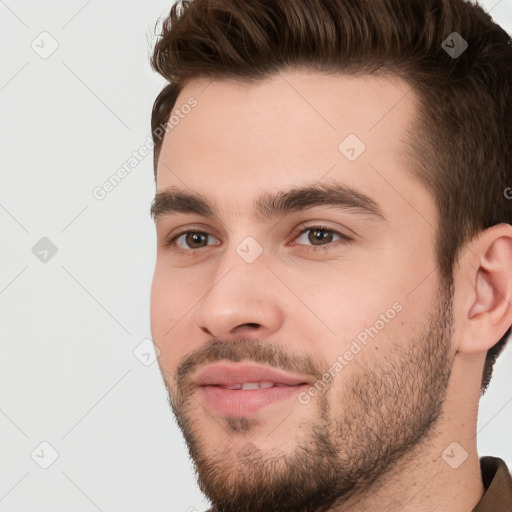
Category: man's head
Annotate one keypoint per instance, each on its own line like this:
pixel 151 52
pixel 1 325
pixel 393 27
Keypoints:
pixel 331 204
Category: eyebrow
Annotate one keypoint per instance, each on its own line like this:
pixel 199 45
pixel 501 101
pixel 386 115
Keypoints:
pixel 271 204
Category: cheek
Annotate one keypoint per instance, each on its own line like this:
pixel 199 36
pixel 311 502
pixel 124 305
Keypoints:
pixel 353 309
pixel 173 292
pixel 174 298
pixel 159 303
pixel 346 297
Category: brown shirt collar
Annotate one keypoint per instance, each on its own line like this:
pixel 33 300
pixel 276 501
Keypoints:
pixel 498 486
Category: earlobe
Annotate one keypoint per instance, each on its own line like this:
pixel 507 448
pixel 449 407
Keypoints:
pixel 490 314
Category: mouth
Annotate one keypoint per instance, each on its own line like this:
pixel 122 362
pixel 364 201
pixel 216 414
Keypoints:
pixel 241 390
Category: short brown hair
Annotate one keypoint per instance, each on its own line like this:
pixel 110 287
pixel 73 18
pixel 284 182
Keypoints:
pixel 460 147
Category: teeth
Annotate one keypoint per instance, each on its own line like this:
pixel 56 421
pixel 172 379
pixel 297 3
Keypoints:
pixel 252 385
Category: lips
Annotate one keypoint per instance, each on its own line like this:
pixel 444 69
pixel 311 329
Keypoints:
pixel 239 376
pixel 239 390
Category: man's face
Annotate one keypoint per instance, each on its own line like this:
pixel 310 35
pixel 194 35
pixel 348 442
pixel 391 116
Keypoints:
pixel 335 290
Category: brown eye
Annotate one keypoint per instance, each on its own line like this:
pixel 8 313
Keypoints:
pixel 191 240
pixel 194 240
pixel 320 235
pixel 318 238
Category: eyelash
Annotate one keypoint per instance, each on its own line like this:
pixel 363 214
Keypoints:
pixel 344 239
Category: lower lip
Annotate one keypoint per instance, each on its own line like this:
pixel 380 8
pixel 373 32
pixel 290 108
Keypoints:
pixel 239 403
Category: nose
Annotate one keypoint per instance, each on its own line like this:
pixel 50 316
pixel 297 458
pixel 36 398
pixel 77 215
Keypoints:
pixel 241 300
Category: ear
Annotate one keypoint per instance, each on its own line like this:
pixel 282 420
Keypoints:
pixel 485 280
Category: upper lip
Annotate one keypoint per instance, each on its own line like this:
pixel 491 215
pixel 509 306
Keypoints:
pixel 224 374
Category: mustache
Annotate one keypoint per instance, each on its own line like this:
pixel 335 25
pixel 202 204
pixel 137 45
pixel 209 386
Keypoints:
pixel 246 349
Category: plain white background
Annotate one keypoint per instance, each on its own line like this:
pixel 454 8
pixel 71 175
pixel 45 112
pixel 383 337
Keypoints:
pixel 69 325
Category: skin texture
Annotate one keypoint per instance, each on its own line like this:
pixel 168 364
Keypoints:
pixel 374 438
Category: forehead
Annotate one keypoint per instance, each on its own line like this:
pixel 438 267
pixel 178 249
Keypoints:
pixel 292 128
